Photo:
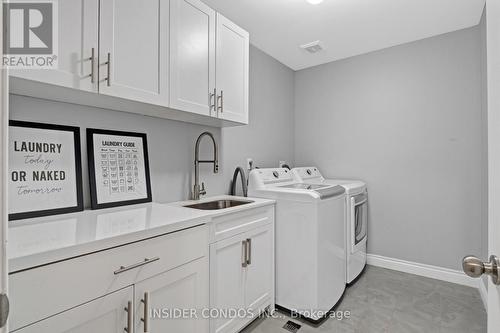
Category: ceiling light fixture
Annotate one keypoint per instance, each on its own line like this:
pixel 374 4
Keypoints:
pixel 314 2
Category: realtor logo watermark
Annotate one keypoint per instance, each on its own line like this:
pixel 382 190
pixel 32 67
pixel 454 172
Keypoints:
pixel 30 34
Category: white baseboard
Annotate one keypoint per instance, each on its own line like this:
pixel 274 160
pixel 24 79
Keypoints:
pixel 434 272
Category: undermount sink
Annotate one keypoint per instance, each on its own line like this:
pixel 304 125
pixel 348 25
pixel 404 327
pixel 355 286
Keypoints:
pixel 218 204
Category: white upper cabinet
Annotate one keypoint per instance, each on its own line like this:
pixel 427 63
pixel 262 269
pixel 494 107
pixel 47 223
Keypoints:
pixel 232 69
pixel 180 57
pixel 78 40
pixel 192 57
pixel 133 55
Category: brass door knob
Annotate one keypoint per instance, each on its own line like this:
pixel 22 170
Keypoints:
pixel 475 268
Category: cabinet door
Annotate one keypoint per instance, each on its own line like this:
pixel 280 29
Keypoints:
pixel 78 35
pixel 227 281
pixel 105 314
pixel 134 37
pixel 259 275
pixel 184 288
pixel 192 57
pixel 232 54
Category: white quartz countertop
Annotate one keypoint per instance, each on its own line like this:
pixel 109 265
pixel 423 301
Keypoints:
pixel 40 241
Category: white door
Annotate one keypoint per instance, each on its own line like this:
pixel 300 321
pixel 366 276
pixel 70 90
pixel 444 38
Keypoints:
pixel 77 48
pixel 4 139
pixel 133 55
pixel 232 54
pixel 259 279
pixel 227 274
pixel 493 71
pixel 108 314
pixel 184 288
pixel 192 57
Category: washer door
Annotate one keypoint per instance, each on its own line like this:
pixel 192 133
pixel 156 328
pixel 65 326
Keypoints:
pixel 359 220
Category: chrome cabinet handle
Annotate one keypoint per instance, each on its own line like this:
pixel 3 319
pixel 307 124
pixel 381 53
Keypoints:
pixel 139 264
pixel 145 318
pixel 92 66
pixel 129 312
pixel 214 105
pixel 245 254
pixel 221 104
pixel 108 63
pixel 249 251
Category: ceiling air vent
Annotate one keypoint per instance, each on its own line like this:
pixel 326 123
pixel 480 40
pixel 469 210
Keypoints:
pixel 313 47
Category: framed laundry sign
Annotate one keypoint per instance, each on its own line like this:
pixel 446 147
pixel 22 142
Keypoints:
pixel 45 171
pixel 118 168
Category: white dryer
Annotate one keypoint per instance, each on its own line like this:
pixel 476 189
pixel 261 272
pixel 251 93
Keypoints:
pixel 356 217
pixel 310 249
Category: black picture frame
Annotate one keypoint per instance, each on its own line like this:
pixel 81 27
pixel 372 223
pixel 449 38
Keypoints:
pixel 95 204
pixel 78 171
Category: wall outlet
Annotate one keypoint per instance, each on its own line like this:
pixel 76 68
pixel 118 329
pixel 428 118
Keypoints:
pixel 249 164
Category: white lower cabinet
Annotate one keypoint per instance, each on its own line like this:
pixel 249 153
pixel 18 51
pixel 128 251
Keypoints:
pixel 105 314
pixel 91 293
pixel 242 274
pixel 259 272
pixel 173 301
pixel 214 278
pixel 227 281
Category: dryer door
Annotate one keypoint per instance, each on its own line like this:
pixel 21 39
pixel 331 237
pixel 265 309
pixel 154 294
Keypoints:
pixel 359 220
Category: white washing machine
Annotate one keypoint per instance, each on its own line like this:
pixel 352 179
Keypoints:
pixel 310 241
pixel 356 217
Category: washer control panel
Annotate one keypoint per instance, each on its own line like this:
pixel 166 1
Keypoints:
pixel 307 172
pixel 275 175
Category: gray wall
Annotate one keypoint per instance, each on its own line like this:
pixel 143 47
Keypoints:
pixel 270 135
pixel 171 144
pixel 409 121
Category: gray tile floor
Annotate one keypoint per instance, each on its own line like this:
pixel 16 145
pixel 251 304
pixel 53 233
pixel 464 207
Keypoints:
pixel 394 302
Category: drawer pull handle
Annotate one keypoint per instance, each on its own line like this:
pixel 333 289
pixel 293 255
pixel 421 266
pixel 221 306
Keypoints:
pixel 249 251
pixel 244 253
pixel 145 319
pixel 129 311
pixel 139 264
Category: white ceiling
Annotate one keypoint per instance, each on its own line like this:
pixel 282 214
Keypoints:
pixel 346 27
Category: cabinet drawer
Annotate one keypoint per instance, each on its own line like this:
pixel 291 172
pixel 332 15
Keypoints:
pixel 105 314
pixel 44 291
pixel 232 224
